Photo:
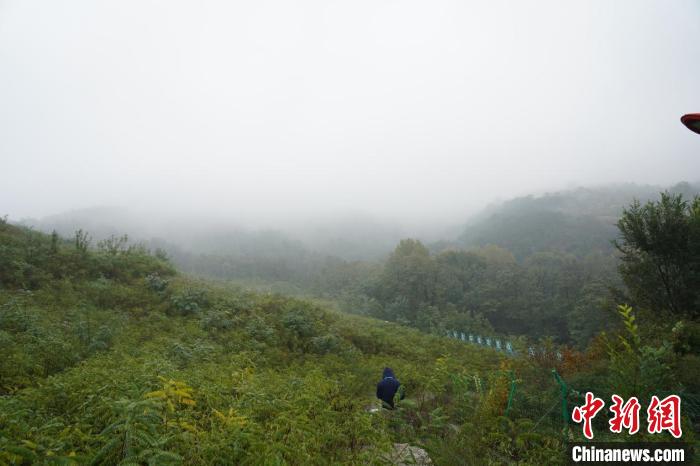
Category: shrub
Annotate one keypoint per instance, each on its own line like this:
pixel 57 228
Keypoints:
pixel 183 353
pixel 133 437
pixel 637 369
pixel 327 343
pixel 15 318
pixel 82 241
pixel 114 245
pixel 300 322
pixel 258 329
pixel 189 302
pixel 156 283
pixel 217 320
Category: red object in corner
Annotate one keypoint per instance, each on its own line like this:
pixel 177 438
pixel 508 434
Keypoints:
pixel 692 121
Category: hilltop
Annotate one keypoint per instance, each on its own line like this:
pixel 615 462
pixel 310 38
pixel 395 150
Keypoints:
pixel 579 221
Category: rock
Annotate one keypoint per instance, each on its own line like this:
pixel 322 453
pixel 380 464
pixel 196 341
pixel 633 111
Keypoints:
pixel 404 454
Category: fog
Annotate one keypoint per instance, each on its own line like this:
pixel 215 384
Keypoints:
pixel 279 114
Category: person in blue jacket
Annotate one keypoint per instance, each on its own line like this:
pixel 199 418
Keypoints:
pixel 387 388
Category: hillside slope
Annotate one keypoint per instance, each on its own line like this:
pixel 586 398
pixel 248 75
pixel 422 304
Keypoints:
pixel 580 221
pixel 112 357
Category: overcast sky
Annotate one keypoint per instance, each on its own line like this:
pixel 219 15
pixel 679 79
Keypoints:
pixel 273 109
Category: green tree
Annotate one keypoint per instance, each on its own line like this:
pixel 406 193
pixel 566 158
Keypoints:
pixel 409 277
pixel 458 274
pixel 82 241
pixel 660 246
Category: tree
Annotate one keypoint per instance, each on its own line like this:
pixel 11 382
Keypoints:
pixel 409 277
pixel 660 246
pixel 458 275
pixel 82 241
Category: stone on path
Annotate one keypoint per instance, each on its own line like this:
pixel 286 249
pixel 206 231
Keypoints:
pixel 404 454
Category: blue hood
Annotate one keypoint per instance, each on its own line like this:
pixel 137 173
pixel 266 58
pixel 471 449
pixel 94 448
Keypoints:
pixel 388 373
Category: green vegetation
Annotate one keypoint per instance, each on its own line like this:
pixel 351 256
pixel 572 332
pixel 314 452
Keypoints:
pixel 145 367
pixel 537 267
pixel 112 357
pixel 661 254
pixel 487 290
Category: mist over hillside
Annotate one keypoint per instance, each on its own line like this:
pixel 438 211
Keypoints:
pixel 350 237
pixel 539 265
pixel 579 221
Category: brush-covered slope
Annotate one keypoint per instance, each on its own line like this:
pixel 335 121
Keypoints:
pixel 110 357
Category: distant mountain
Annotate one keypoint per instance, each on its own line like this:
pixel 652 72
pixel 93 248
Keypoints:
pixel 350 236
pixel 225 250
pixel 579 221
pixel 100 221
